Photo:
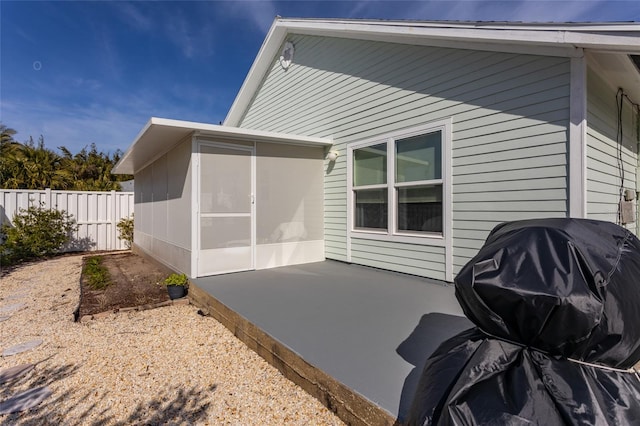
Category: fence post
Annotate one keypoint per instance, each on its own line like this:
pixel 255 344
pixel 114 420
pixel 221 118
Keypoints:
pixel 47 198
pixel 114 221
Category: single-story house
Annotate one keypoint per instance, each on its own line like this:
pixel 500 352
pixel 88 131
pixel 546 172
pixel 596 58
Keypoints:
pixel 395 144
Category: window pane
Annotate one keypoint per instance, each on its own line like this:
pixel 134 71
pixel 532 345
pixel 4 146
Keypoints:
pixel 371 208
pixel 420 208
pixel 370 165
pixel 419 158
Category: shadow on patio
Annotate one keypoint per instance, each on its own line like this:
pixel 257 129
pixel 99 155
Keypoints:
pixel 354 337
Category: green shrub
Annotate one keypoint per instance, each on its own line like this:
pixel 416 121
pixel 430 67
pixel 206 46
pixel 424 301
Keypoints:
pixel 96 274
pixel 125 230
pixel 176 279
pixel 36 232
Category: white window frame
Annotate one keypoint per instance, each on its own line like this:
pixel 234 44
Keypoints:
pixel 391 233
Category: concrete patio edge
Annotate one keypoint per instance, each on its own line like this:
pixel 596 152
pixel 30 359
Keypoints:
pixel 348 405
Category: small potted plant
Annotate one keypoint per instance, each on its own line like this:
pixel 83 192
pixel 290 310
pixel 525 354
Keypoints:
pixel 176 285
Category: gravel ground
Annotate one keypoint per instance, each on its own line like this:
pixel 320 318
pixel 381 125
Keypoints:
pixel 161 366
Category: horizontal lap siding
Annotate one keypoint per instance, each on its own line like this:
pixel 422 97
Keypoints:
pixel 510 114
pixel 408 258
pixel 603 171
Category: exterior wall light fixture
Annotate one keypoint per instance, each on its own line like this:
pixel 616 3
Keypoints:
pixel 333 155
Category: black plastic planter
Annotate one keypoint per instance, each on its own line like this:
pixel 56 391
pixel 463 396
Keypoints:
pixel 176 291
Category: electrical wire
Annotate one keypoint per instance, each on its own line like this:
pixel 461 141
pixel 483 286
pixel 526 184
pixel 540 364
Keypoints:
pixel 619 142
pixel 621 96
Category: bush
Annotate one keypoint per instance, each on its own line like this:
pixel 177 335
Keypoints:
pixel 125 230
pixel 97 275
pixel 36 232
pixel 176 279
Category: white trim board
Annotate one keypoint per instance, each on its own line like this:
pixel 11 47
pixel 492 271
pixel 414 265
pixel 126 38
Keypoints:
pixel 577 181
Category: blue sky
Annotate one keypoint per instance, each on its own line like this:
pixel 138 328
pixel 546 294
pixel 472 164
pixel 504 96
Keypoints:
pixel 83 72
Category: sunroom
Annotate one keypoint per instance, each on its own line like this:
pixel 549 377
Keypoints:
pixel 214 199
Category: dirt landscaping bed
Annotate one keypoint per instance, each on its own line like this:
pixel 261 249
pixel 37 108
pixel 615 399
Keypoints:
pixel 135 281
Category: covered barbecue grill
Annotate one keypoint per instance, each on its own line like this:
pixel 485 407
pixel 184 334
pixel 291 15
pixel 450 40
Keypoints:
pixel 556 304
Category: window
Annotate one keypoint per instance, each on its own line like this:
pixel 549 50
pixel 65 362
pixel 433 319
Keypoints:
pixel 418 183
pixel 398 183
pixel 370 178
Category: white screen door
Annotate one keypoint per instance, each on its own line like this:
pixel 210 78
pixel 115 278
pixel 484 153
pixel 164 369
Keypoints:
pixel 226 209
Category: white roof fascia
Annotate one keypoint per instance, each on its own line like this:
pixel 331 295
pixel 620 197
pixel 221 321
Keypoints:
pixel 238 133
pixel 608 27
pixel 150 149
pixel 549 39
pixel 567 36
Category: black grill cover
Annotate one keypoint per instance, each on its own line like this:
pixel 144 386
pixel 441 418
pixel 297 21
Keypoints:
pixel 541 292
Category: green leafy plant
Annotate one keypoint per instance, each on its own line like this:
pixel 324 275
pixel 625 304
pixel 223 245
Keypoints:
pixel 125 230
pixel 36 232
pixel 176 279
pixel 96 274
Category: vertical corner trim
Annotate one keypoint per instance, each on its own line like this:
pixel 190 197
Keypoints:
pixel 578 139
pixel 195 205
pixel 447 153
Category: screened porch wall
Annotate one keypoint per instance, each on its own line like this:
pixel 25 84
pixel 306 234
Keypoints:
pixel 289 205
pixel 163 208
pixel 289 202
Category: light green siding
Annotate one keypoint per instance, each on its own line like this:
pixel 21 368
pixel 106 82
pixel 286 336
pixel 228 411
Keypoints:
pixel 510 117
pixel 604 174
pixel 408 258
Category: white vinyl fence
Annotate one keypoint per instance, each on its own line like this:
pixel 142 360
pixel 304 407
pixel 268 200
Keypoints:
pixel 96 213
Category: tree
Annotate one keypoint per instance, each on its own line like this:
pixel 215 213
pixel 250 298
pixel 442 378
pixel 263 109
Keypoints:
pixel 91 170
pixel 32 166
pixel 8 148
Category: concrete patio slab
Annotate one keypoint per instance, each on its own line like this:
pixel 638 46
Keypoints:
pixel 371 330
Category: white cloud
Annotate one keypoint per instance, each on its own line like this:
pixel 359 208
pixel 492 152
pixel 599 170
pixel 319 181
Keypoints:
pixel 132 15
pixel 260 13
pixel 75 127
pixel 111 119
pixel 179 31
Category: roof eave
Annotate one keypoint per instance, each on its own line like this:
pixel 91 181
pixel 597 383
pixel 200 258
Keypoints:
pixel 145 148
